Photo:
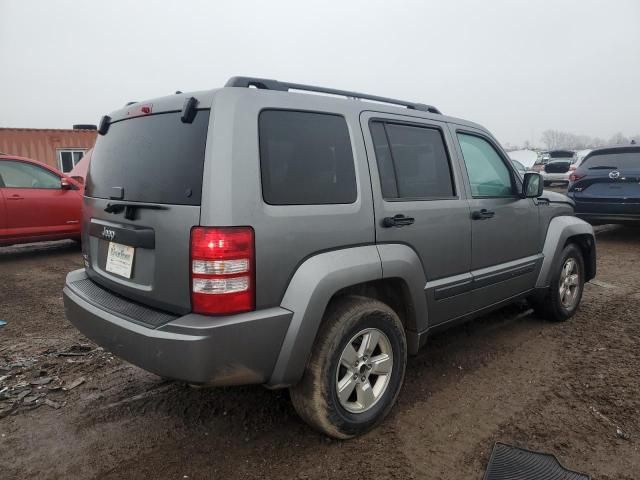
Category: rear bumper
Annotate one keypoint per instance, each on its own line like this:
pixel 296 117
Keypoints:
pixel 555 177
pixel 601 218
pixel 233 350
pixel 609 211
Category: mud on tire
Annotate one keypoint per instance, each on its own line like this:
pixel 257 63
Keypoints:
pixel 554 306
pixel 350 320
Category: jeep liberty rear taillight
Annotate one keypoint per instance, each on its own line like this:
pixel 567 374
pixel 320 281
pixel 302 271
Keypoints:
pixel 222 270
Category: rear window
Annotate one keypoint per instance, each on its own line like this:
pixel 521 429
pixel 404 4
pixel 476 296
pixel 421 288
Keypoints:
pixel 154 159
pixel 305 158
pixel 561 154
pixel 615 161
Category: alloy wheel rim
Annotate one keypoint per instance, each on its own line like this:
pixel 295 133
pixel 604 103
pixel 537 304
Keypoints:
pixel 364 370
pixel 569 283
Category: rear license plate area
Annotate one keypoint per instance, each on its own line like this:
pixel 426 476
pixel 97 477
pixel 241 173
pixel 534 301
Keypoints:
pixel 120 259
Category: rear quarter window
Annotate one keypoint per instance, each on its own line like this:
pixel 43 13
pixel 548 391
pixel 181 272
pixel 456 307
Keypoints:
pixel 305 158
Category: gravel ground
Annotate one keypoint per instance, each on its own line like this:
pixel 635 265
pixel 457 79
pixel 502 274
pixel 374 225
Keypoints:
pixel 71 410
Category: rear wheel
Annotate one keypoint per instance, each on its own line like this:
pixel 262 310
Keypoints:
pixel 356 368
pixel 567 284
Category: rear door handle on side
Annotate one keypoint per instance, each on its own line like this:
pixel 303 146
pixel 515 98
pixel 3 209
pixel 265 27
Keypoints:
pixel 14 197
pixel 397 221
pixel 483 214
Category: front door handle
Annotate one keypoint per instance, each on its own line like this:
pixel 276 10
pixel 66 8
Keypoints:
pixel 483 214
pixel 15 197
pixel 397 221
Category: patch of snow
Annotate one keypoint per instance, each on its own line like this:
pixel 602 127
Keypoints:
pixel 525 157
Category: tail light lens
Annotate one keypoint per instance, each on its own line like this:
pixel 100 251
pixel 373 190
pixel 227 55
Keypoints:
pixel 575 177
pixel 222 270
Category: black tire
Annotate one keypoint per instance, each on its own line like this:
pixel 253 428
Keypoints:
pixel 315 397
pixel 551 307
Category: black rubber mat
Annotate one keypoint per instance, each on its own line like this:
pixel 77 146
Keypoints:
pixel 513 463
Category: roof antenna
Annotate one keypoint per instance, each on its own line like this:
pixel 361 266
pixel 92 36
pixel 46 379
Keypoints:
pixel 178 92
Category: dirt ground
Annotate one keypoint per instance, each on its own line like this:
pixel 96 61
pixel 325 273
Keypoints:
pixel 70 410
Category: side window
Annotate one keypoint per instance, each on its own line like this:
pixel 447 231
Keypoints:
pixel 412 161
pixel 24 175
pixel 305 158
pixel 488 174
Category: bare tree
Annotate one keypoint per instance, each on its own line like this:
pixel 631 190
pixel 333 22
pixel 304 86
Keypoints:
pixel 554 139
pixel 551 138
pixel 619 139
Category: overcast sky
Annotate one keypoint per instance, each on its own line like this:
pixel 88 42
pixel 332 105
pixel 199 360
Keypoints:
pixel 516 67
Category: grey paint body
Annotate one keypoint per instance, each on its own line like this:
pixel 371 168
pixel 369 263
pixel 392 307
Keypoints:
pixel 450 267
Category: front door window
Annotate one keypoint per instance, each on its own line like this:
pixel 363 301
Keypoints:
pixel 488 174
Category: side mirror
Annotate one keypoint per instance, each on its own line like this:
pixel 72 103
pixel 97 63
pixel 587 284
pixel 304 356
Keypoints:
pixel 532 185
pixel 65 184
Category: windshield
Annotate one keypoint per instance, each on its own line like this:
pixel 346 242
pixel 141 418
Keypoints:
pixel 153 158
pixel 615 161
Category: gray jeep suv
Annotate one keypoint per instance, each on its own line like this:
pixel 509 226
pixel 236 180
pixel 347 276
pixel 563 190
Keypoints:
pixel 256 235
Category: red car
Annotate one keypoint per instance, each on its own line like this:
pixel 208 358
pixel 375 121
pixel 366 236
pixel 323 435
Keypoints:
pixel 37 202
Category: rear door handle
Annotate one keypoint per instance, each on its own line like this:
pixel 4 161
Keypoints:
pixel 483 214
pixel 397 221
pixel 15 197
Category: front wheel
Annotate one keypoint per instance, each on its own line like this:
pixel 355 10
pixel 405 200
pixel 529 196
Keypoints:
pixel 356 368
pixel 567 284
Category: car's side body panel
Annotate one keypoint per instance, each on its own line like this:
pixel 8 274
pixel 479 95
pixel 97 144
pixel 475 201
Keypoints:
pixel 502 246
pixel 311 288
pixel 37 214
pixel 401 261
pixel 440 236
pixel 285 235
pixel 561 229
pixel 3 214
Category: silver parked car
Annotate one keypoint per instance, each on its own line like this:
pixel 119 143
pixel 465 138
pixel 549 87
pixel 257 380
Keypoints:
pixel 260 236
pixel 556 166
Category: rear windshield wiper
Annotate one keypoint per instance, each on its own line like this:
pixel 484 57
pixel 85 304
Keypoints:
pixel 603 167
pixel 130 208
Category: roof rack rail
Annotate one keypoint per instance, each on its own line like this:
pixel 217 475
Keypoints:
pixel 267 84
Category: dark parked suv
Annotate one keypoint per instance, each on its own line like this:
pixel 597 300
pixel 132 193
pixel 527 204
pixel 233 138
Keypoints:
pixel 606 185
pixel 255 235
